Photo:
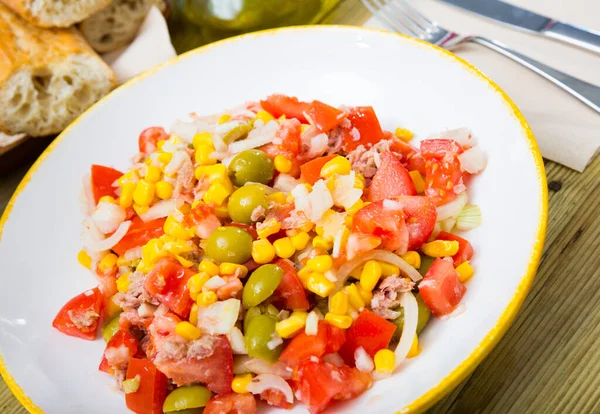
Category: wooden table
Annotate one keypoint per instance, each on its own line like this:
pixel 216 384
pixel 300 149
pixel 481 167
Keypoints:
pixel 549 360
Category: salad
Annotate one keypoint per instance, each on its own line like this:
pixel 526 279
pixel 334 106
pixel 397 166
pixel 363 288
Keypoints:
pixel 283 251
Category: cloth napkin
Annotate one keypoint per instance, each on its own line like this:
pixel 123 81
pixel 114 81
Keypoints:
pixel 567 131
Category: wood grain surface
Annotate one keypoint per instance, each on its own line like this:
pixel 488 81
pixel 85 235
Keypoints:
pixel 548 362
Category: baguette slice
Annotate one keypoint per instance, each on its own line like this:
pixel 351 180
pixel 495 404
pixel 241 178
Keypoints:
pixel 48 77
pixel 55 13
pixel 116 25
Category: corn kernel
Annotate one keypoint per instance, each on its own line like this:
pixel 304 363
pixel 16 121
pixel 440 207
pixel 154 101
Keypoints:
pixel 282 164
pixel 404 134
pixel 108 262
pixel 359 181
pixel 354 297
pixel 384 361
pixel 268 228
pixel 194 314
pixel 187 330
pixel 206 298
pixel 440 248
pixel 321 242
pixel 320 263
pixel 339 303
pixel 233 269
pixel 139 210
pixel 240 383
pixel 202 138
pixel 185 208
pixel 175 229
pixel 153 174
pixel 304 127
pixel 319 284
pixel 300 240
pixel 107 199
pixel 284 248
pixel 465 272
pixel 144 193
pixel 292 325
pixel 224 118
pixel 417 180
pixel 183 261
pixel 370 275
pixel 203 155
pixel 264 116
pixel 164 190
pixel 221 211
pixel 412 258
pixel 152 251
pixel 209 267
pixel 388 269
pixel 277 197
pixel 303 275
pixel 126 198
pixel 217 192
pixel 339 165
pixel 165 157
pixel 341 321
pixel 414 348
pixel 123 282
pixel 84 259
pixel 196 282
pixel 355 207
pixel 130 176
pixel 307 227
pixel 212 172
pixel 144 267
pixel 177 247
pixel 263 251
pixel 367 295
pixel 319 230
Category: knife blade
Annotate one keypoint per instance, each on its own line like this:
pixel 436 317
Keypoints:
pixel 519 18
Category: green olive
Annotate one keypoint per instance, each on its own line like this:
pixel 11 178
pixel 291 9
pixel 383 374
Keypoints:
pixel 251 165
pixel 250 314
pixel 237 132
pixel 229 244
pixel 245 200
pixel 426 263
pixel 184 398
pixel 261 284
pixel 259 333
pixel 110 328
pixel 423 318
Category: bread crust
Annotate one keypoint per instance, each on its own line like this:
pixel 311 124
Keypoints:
pixel 23 8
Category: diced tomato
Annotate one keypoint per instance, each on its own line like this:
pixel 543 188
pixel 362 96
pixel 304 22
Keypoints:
pixel 139 234
pixel 336 337
pixel 167 282
pixel 324 117
pixel 150 137
pixel 290 293
pixel 151 394
pixel 231 404
pixel 420 215
pixel 279 212
pixel 386 223
pixel 102 179
pixel 440 288
pixel 390 180
pixel 250 229
pixel 439 148
pixel 370 331
pixel 329 339
pixel 203 219
pixel 79 317
pixel 275 398
pixel 465 250
pixel 105 366
pixel 289 106
pixel 120 349
pixel 359 243
pixel 365 121
pixel 442 169
pixel 288 133
pixel 273 150
pixel 311 171
pixel 318 384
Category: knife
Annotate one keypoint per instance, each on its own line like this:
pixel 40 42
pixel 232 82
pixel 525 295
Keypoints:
pixel 532 22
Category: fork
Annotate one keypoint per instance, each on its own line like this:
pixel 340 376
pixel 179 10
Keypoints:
pixel 400 16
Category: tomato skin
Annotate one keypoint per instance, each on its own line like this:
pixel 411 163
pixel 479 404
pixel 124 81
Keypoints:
pixel 289 106
pixel 167 282
pixel 290 293
pixel 370 331
pixel 439 148
pixel 390 180
pixel 442 169
pixel 102 179
pixel 150 396
pixel 324 117
pixel 139 234
pixel 124 340
pixel 420 214
pixel 311 171
pixel 328 339
pixel 382 222
pixel 440 288
pixel 80 305
pixel 288 133
pixel 231 404
pixel 364 119
pixel 149 137
pixel 275 398
pixel 465 250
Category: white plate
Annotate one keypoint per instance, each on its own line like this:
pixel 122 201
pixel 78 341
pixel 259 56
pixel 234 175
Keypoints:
pixel 409 83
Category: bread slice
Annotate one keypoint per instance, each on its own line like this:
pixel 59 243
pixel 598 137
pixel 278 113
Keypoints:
pixel 116 25
pixel 47 77
pixel 55 13
pixel 8 142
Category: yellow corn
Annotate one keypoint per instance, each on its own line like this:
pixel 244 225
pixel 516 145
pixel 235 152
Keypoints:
pixel 203 153
pixel 139 210
pixel 153 174
pixel 209 267
pixel 307 227
pixel 224 118
pixel 284 248
pixel 355 207
pixel 404 134
pixel 339 303
pixel 144 267
pixel 304 127
pixel 221 211
pixel 389 269
pixel 212 172
pixel 319 284
pixel 465 272
pixel 196 282
pixel 175 229
pixel 367 295
pixel 370 275
pixel 84 259
pixel 123 282
pixel 165 157
pixel 268 228
pixel 111 309
pixel 194 314
pixel 108 262
pixel 282 164
pixel 359 181
pixel 264 116
pixel 417 180
pixel 202 138
pixel 177 247
pixel 107 199
pixel 152 251
pixel 130 176
pixel 187 330
pixel 164 190
pixel 319 230
pixel 232 268
pixel 184 262
pixel 412 258
pixel 300 240
pixel 414 348
pixel 321 263
pixel 206 298
pixel 144 193
pixel 354 296
pixel 339 165
pixel 185 208
pixel 277 197
pixel 122 262
pixel 319 241
pixel 303 275
pixel 240 383
pixel 440 248
pixel 292 325
pixel 217 192
pixel 160 144
pixel 126 198
pixel 384 361
pixel 341 321
pixel 262 251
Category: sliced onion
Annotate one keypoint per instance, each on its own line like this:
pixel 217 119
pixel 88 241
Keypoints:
pixel 381 255
pixel 179 158
pixel 86 198
pixel 99 245
pixel 185 130
pixel 258 137
pixel 363 361
pixel 245 364
pixel 461 135
pixel 226 127
pixel 159 210
pixel 411 317
pixel 162 310
pixel 220 317
pixel 312 324
pixel 107 216
pixel 146 310
pixel 236 338
pixel 285 183
pixel 472 160
pixel 133 254
pixel 265 382
pixel 317 145
pixel 453 208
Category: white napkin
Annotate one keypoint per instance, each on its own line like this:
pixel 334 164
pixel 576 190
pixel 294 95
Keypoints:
pixel 566 130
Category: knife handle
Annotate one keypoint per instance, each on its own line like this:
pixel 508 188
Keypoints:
pixel 578 36
pixel 586 92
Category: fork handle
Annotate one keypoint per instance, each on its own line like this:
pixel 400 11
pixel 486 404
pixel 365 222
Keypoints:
pixel 586 92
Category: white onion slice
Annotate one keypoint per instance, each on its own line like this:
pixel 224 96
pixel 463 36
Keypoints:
pixel 220 317
pixel 92 245
pixel 363 361
pixel 236 339
pixel 461 135
pixel 159 210
pixel 265 382
pixel 453 208
pixel 258 137
pixel 472 160
pixel 146 310
pixel 312 324
pixel 179 158
pixel 317 145
pixel 285 183
pixel 244 364
pixel 86 198
pixel 411 317
pixel 185 130
pixel 107 216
